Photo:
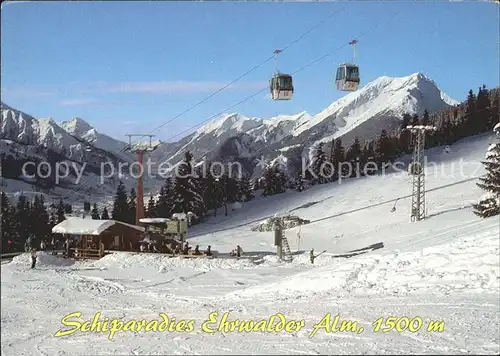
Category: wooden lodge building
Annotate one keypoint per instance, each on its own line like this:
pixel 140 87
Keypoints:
pixel 92 238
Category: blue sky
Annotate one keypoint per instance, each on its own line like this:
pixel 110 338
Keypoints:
pixel 131 66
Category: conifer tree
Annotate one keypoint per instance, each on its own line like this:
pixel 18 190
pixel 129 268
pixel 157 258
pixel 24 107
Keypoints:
pixel 60 211
pixel 355 158
pixel 151 209
pixel 187 199
pixel 489 205
pixel 132 206
pixel 245 189
pixel 321 170
pixel 383 149
pixel 165 201
pixel 337 158
pixel 425 118
pixel 120 210
pixel 52 219
pixel 105 214
pixel 369 167
pixel 95 212
pixel 11 241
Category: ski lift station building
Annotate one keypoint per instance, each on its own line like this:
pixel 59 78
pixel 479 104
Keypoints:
pixel 90 233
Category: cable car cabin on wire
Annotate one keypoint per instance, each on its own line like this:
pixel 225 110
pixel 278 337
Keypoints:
pixel 347 77
pixel 281 87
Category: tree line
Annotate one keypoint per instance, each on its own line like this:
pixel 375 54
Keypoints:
pixel 207 191
pixel 479 113
pixel 29 218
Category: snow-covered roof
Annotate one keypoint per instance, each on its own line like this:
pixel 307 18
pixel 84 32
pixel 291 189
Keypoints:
pixel 154 220
pixel 421 127
pixel 79 226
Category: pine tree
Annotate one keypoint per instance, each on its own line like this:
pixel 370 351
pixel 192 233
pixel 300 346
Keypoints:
pixel 470 125
pixel 187 199
pixel 274 181
pixel 321 170
pixel 355 158
pixel 406 120
pixel 52 219
pixel 11 241
pixel 489 205
pixel 132 206
pixel 369 167
pixel 120 210
pixel 95 212
pixel 209 188
pixel 383 149
pixel 483 115
pixel 151 209
pixel 39 219
pixel 425 118
pixel 165 201
pixel 494 108
pixel 86 206
pixel 104 215
pixel 337 158
pixel 245 189
pixel 60 210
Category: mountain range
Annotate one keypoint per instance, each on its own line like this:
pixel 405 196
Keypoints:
pixel 378 105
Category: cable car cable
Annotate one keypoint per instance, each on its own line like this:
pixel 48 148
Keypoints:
pixel 235 80
pixel 245 74
pixel 266 88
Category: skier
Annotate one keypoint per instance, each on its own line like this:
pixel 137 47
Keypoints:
pixel 42 246
pixel 238 251
pixel 33 258
pixel 311 256
pixel 208 252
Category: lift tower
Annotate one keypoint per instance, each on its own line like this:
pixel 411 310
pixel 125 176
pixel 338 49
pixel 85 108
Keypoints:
pixel 417 170
pixel 140 148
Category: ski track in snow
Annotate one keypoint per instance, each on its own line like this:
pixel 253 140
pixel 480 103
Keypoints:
pixel 444 268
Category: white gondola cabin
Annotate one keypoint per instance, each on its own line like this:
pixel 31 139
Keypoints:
pixel 281 86
pixel 347 78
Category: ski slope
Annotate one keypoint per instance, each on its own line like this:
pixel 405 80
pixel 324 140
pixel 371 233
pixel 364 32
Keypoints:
pixel 445 268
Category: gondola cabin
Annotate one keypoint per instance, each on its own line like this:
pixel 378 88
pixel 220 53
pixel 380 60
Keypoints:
pixel 281 87
pixel 347 78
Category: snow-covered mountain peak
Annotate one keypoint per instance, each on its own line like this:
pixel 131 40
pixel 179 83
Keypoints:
pixel 233 122
pixel 77 126
pixel 384 95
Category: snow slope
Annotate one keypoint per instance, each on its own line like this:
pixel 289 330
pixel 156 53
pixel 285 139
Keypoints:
pixel 445 268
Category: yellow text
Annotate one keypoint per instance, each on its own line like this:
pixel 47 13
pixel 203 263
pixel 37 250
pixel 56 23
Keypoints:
pixel 401 324
pixel 336 325
pixel 274 324
pixel 112 326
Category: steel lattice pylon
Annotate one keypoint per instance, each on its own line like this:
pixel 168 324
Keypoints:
pixel 417 169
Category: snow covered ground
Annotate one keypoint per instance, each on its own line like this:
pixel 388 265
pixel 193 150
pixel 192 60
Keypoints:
pixel 445 268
